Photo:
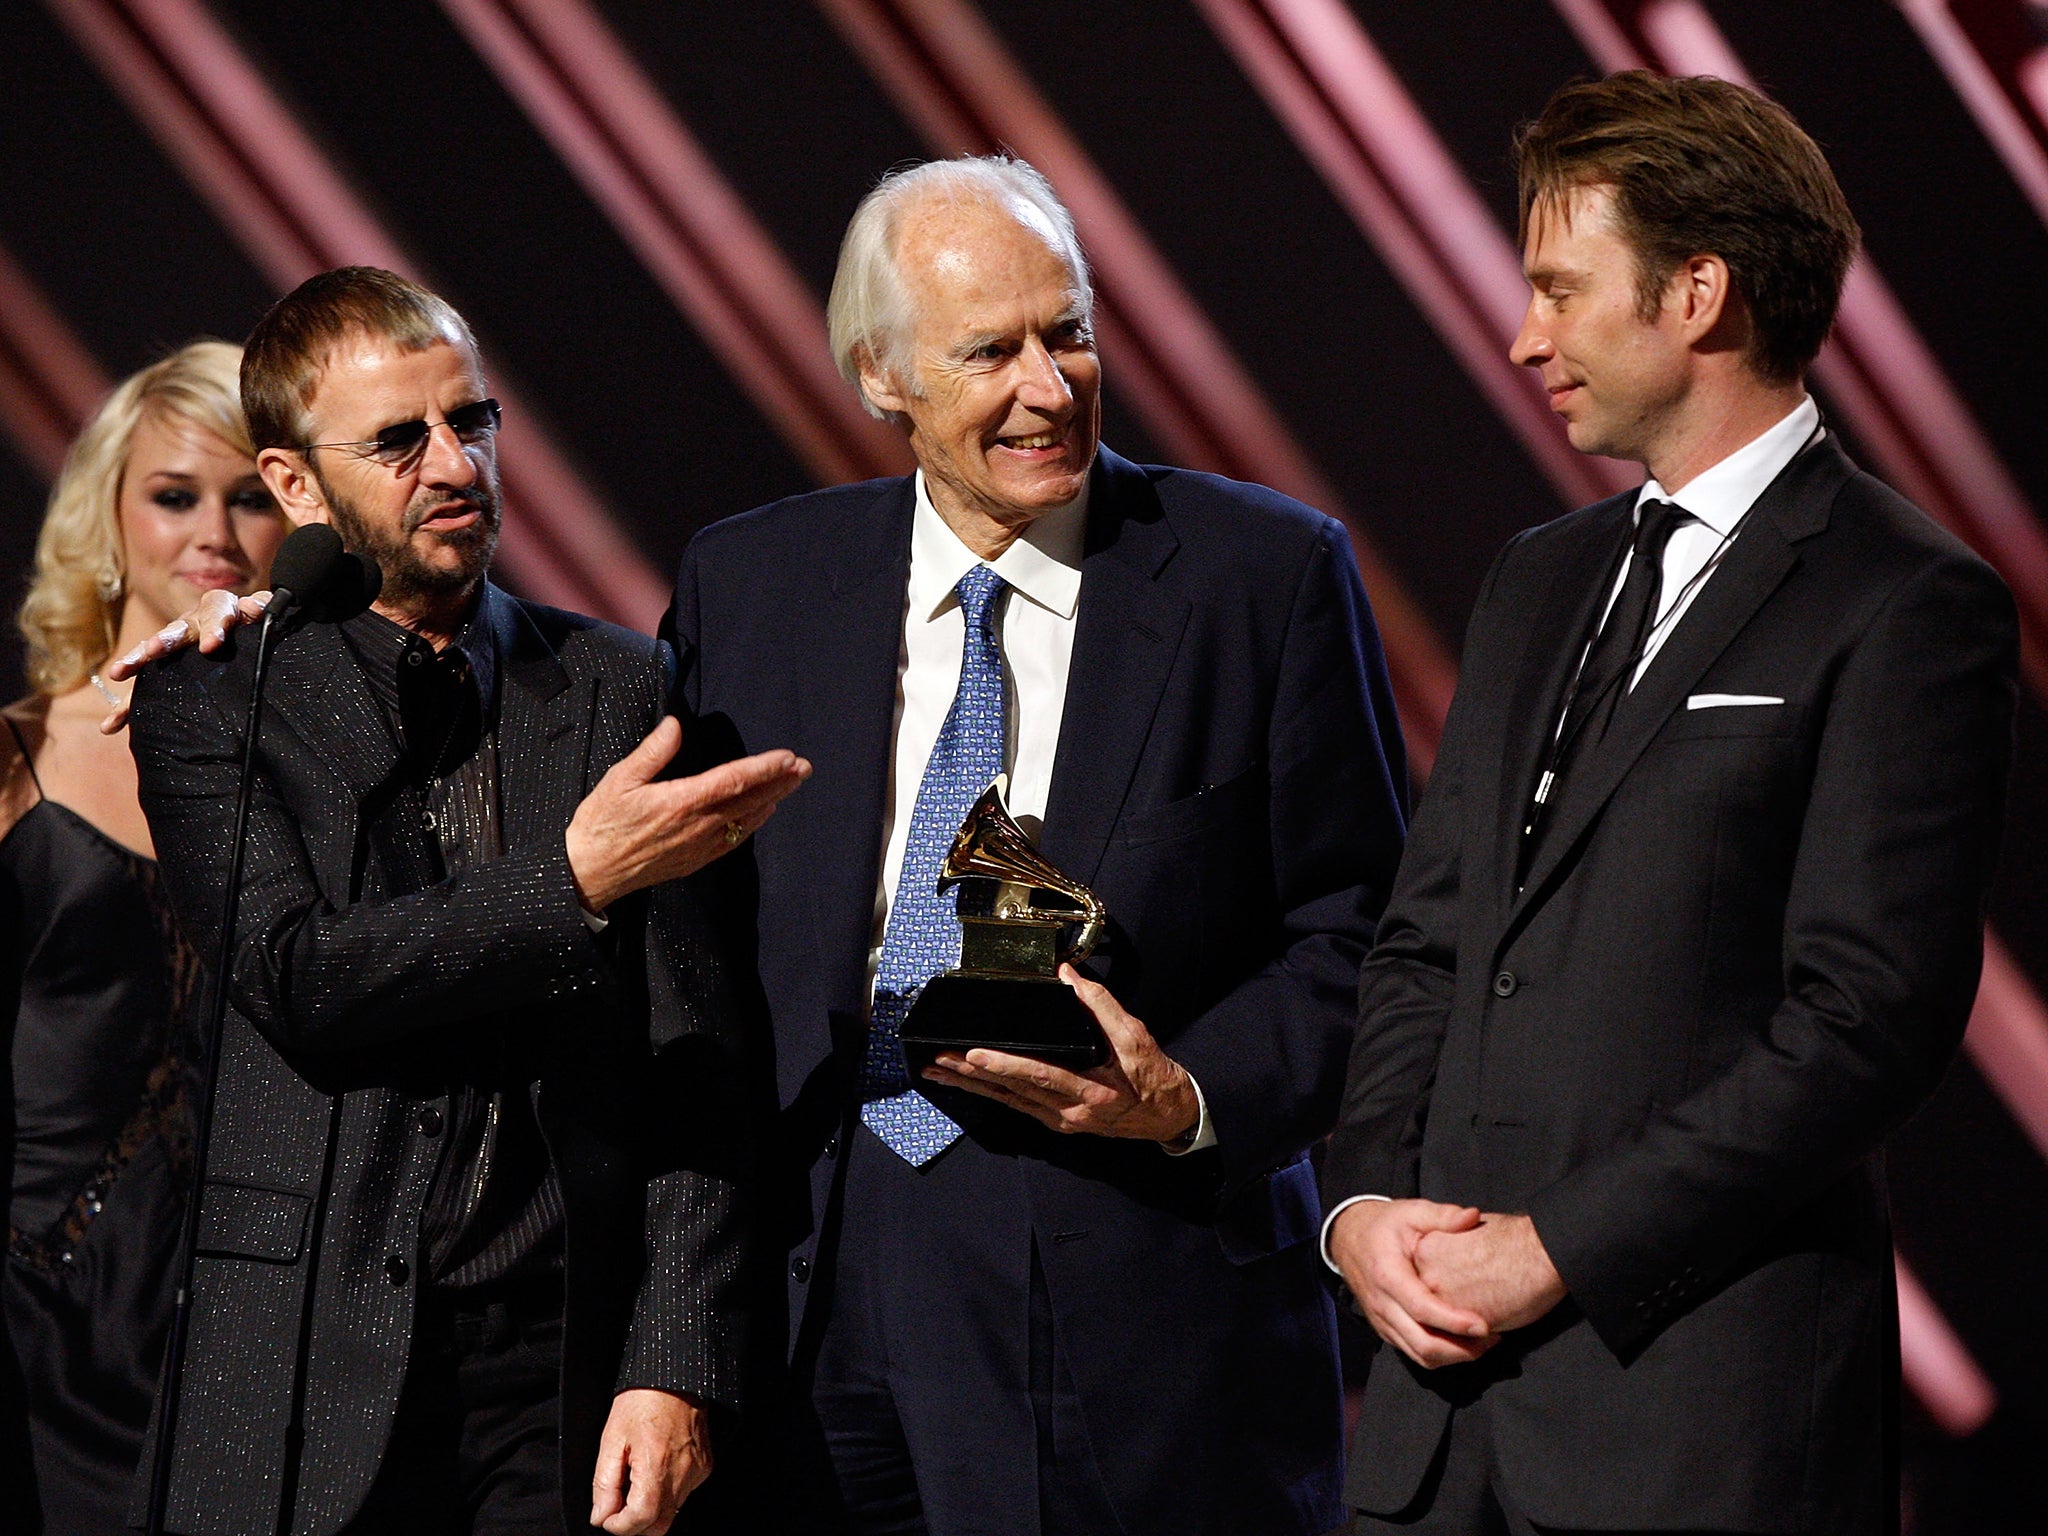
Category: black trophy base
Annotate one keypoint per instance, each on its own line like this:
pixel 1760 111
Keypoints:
pixel 1024 1015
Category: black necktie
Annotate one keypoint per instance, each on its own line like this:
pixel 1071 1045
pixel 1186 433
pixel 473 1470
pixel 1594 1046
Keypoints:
pixel 1613 656
pixel 1618 646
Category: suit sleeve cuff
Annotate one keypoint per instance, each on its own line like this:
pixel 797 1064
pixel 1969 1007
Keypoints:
pixel 1204 1136
pixel 1329 1221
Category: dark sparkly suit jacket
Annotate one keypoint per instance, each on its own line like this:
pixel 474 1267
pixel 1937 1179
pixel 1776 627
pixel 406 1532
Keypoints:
pixel 357 976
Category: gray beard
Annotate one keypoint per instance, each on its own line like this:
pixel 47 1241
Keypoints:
pixel 408 579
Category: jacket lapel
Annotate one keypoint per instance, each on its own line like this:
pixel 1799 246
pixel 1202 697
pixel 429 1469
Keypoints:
pixel 317 689
pixel 846 647
pixel 1756 564
pixel 542 753
pixel 1573 592
pixel 1127 631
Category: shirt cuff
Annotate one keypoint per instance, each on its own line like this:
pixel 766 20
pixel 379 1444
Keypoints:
pixel 1205 1132
pixel 1323 1244
pixel 596 922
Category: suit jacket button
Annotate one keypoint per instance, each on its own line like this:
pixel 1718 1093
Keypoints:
pixel 396 1269
pixel 1504 984
pixel 800 1269
pixel 430 1121
pixel 832 1148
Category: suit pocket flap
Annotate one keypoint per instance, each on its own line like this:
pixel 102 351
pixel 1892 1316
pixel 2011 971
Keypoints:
pixel 1211 805
pixel 247 1221
pixel 1271 1214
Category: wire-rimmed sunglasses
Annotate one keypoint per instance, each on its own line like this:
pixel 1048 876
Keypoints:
pixel 397 444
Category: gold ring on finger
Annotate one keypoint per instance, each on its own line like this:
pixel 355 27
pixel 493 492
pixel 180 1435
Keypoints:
pixel 735 833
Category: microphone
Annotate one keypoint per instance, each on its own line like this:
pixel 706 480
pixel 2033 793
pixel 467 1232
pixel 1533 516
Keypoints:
pixel 313 574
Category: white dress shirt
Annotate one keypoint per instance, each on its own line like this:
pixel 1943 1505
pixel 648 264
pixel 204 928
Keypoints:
pixel 1035 634
pixel 1718 499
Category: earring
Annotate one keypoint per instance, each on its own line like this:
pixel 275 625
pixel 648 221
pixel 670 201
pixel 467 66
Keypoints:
pixel 110 583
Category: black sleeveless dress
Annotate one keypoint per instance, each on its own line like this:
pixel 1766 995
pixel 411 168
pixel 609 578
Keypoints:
pixel 102 991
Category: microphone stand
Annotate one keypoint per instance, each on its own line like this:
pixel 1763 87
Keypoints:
pixel 281 603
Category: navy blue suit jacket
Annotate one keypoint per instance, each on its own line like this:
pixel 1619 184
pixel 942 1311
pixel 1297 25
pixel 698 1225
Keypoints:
pixel 1230 779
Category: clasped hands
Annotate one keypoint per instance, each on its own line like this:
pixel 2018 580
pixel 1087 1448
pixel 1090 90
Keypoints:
pixel 1443 1283
pixel 1140 1093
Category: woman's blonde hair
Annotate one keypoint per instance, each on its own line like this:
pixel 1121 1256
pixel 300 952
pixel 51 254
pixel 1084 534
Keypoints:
pixel 73 608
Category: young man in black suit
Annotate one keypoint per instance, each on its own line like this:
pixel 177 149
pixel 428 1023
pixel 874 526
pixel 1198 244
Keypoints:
pixel 469 1244
pixel 1691 915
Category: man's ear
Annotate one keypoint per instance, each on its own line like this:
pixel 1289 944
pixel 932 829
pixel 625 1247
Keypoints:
pixel 880 385
pixel 290 479
pixel 1705 296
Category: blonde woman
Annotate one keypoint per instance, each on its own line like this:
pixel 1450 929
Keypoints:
pixel 158 503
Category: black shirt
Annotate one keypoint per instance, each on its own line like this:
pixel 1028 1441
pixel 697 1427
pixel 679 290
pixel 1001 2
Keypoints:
pixel 495 1207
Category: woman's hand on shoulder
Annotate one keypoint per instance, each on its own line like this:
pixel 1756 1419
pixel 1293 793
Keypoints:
pixel 205 625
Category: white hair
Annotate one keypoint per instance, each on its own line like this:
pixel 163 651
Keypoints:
pixel 869 314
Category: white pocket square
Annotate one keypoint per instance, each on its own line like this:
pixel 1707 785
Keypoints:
pixel 1728 700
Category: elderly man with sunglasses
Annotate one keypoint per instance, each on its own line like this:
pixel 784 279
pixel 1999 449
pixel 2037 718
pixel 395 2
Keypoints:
pixel 469 1241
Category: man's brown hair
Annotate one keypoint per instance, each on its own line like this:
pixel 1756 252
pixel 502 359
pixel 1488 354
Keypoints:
pixel 1701 167
pixel 286 353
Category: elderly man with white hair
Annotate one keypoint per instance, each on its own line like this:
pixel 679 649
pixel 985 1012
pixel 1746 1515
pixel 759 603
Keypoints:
pixel 1022 1299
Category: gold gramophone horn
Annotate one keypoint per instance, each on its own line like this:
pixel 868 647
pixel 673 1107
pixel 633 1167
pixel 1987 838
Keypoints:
pixel 993 845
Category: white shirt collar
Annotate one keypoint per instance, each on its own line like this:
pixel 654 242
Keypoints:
pixel 1043 563
pixel 1721 495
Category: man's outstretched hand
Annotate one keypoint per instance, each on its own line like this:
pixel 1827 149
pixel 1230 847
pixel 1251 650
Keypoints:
pixel 636 829
pixel 205 625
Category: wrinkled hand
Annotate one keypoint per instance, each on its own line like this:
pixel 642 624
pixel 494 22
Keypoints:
pixel 635 830
pixel 1142 1093
pixel 655 1451
pixel 1498 1269
pixel 1374 1243
pixel 205 624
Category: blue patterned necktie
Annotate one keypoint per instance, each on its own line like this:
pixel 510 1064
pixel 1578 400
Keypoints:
pixel 922 936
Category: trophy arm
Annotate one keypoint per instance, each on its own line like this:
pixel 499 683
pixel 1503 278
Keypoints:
pixel 1094 918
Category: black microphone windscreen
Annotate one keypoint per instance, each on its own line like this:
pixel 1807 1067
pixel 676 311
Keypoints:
pixel 327 583
pixel 306 560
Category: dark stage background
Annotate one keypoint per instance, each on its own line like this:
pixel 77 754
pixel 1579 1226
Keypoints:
pixel 1300 211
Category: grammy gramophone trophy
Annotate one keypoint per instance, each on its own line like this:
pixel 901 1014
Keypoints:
pixel 1006 994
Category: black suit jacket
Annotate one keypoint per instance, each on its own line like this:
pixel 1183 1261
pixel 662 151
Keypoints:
pixel 1229 778
pixel 1745 951
pixel 356 977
